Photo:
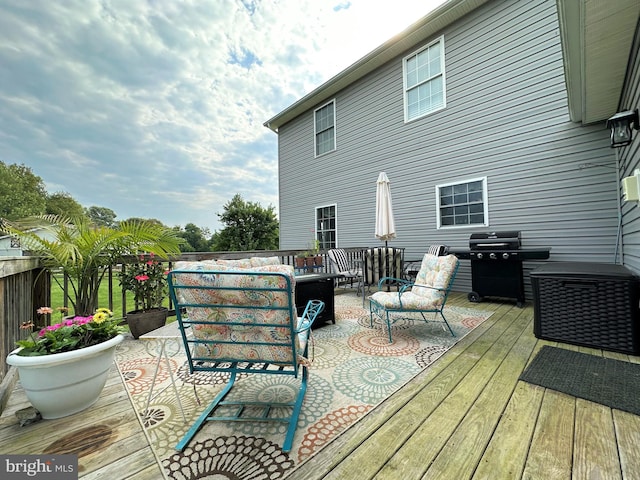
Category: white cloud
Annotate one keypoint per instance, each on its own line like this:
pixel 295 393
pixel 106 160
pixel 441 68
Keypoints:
pixel 155 109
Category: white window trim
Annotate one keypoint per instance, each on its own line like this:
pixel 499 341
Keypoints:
pixel 404 81
pixel 485 200
pixel 315 223
pixel 335 129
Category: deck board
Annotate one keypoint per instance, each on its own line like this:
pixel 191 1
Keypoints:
pixel 595 453
pixel 506 453
pixel 627 427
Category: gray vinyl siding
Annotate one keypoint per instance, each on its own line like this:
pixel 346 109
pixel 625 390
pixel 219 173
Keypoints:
pixel 630 160
pixel 506 118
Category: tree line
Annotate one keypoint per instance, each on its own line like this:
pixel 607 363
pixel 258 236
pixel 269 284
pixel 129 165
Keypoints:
pixel 246 225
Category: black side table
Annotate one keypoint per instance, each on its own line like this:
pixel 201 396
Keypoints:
pixel 316 286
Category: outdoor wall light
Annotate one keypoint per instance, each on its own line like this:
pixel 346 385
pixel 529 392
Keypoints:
pixel 620 125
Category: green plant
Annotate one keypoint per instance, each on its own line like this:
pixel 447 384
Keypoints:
pixel 83 251
pixel 57 296
pixel 71 334
pixel 147 281
pixel 313 249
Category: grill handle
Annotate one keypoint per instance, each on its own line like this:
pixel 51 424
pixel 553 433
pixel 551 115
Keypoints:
pixel 491 245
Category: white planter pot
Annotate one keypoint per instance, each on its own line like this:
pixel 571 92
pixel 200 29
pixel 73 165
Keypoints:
pixel 65 383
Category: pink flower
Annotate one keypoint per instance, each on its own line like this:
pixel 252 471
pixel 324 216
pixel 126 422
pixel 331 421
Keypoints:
pixel 44 310
pixel 142 278
pixel 49 328
pixel 82 320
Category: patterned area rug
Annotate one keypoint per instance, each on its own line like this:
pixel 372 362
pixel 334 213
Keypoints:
pixel 354 369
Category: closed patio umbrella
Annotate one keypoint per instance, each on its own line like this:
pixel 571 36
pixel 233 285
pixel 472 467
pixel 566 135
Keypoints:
pixel 385 224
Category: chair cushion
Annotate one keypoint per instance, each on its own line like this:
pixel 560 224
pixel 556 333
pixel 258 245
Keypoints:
pixel 200 265
pixel 340 263
pixel 410 301
pixel 338 257
pixel 263 261
pixel 437 250
pixel 303 339
pixel 238 262
pixel 382 262
pixel 244 297
pixel 434 272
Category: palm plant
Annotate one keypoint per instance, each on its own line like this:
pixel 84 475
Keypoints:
pixel 83 251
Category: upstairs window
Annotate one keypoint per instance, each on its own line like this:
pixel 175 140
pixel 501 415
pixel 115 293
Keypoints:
pixel 326 226
pixel 424 90
pixel 462 204
pixel 325 128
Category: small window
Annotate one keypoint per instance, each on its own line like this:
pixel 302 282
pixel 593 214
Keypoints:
pixel 462 204
pixel 325 128
pixel 326 226
pixel 424 89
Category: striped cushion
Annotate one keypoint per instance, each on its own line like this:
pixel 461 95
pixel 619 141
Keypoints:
pixel 339 256
pixel 437 250
pixel 382 262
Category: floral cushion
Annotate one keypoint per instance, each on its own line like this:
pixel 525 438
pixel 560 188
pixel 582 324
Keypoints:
pixel 246 337
pixel 237 262
pixel 435 272
pixel 201 265
pixel 240 262
pixel 262 261
pixel 410 301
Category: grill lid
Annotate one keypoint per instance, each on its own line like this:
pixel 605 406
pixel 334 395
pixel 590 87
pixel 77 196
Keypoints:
pixel 507 240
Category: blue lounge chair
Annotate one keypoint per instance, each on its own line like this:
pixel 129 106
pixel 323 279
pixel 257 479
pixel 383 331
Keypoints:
pixel 243 322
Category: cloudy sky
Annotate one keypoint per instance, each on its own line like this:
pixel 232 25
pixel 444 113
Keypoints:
pixel 155 108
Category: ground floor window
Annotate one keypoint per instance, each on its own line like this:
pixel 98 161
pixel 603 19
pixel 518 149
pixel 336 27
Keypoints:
pixel 462 203
pixel 326 226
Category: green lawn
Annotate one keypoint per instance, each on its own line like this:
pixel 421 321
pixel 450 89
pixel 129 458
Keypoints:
pixel 57 299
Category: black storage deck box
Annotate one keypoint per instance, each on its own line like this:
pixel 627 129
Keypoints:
pixel 590 304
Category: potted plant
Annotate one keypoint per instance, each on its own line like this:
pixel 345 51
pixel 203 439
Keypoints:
pixel 302 259
pixel 314 255
pixel 63 367
pixel 310 258
pixel 146 279
pixel 83 251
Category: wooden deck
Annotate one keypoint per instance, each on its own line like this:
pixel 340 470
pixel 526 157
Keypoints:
pixel 108 438
pixel 466 417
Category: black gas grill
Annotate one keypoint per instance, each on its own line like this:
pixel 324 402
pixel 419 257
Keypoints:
pixel 496 264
